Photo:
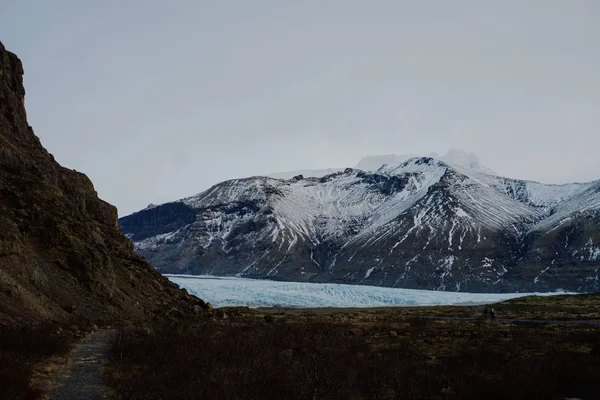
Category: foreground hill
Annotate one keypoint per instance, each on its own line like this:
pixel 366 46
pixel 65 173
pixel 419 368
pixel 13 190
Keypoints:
pixel 422 223
pixel 61 252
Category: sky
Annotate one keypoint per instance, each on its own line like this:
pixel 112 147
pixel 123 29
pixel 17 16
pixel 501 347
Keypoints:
pixel 157 100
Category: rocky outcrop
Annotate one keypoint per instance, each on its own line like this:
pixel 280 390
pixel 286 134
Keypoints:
pixel 61 252
pixel 422 224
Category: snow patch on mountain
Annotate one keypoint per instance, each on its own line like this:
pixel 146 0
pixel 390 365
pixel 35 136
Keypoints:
pixel 477 197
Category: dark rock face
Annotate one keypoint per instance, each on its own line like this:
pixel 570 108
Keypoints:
pixel 421 224
pixel 61 251
pixel 161 219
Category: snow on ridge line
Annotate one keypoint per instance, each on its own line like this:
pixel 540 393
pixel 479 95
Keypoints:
pixel 455 158
pixel 233 291
pixel 306 173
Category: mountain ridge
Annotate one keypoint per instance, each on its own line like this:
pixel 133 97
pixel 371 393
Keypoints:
pixel 455 157
pixel 420 224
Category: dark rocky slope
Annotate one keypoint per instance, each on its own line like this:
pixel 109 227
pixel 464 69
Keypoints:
pixel 61 252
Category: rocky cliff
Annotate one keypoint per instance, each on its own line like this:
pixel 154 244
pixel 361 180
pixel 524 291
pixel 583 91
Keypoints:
pixel 61 252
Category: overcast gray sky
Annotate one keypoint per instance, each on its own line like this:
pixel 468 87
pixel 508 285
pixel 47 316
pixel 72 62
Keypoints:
pixel 158 100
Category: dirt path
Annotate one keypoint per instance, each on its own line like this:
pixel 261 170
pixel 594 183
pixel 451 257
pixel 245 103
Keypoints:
pixel 83 377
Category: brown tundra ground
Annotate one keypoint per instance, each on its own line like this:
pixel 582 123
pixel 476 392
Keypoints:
pixel 537 348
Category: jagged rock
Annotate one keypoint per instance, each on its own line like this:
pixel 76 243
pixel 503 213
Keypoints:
pixel 197 309
pixel 175 313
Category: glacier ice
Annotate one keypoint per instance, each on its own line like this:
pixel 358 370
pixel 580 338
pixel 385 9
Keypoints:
pixel 254 293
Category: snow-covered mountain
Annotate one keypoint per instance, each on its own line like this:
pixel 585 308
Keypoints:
pixel 421 223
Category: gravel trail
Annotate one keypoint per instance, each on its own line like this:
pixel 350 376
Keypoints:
pixel 84 377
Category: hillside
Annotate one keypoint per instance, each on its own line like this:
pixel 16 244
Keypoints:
pixel 62 255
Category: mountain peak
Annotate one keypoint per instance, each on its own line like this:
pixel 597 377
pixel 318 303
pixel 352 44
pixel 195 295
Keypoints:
pixel 454 157
pixel 415 164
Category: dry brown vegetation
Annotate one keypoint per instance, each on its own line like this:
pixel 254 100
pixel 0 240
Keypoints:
pixel 358 354
pixel 21 348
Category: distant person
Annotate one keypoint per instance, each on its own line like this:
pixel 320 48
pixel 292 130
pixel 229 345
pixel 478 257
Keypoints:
pixel 485 313
pixel 492 314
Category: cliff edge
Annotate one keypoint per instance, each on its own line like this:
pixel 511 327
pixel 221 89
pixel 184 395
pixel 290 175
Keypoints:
pixel 61 252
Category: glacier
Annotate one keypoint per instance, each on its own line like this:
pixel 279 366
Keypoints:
pixel 255 293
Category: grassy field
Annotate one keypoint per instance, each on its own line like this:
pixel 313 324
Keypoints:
pixel 394 353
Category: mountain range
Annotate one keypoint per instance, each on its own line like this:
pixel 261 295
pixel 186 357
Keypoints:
pixel 442 223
